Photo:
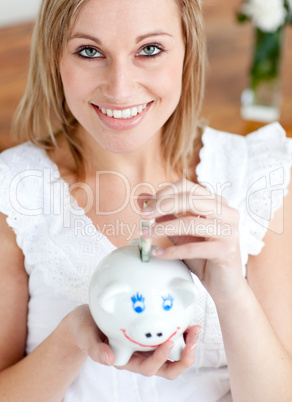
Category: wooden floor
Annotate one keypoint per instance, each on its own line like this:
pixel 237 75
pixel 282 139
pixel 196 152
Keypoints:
pixel 229 51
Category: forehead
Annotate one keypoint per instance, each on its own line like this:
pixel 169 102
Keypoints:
pixel 128 17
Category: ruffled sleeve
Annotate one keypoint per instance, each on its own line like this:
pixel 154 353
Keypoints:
pixel 269 164
pixel 56 237
pixel 21 196
pixel 252 173
pixel 5 180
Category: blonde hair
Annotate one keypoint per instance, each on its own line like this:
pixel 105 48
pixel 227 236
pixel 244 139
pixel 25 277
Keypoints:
pixel 43 112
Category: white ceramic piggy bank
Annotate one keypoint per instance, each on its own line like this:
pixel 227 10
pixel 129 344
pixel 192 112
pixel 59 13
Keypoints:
pixel 139 305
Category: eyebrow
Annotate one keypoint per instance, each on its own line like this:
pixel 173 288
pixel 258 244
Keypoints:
pixel 139 38
pixel 151 34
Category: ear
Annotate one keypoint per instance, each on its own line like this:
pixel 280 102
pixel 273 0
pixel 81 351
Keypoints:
pixel 185 289
pixel 108 297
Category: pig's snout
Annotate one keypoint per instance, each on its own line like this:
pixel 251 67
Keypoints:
pixel 150 332
pixel 150 335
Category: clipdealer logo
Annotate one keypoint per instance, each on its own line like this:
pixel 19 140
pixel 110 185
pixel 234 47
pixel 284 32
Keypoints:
pixel 50 195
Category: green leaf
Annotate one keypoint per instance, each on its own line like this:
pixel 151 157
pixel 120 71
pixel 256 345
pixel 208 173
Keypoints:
pixel 242 17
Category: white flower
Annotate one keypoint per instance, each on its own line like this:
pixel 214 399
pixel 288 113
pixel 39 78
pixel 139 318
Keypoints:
pixel 267 15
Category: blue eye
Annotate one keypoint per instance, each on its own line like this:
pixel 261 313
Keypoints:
pixel 138 303
pixel 167 302
pixel 151 51
pixel 89 53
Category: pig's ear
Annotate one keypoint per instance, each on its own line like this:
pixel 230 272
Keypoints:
pixel 109 296
pixel 185 289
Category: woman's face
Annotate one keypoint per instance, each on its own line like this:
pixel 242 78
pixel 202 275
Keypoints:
pixel 122 70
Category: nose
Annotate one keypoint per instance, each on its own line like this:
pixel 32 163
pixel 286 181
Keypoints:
pixel 120 83
pixel 149 335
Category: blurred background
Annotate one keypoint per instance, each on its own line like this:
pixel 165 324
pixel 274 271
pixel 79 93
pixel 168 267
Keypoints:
pixel 230 48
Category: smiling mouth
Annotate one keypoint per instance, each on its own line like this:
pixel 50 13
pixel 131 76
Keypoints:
pixel 125 113
pixel 148 346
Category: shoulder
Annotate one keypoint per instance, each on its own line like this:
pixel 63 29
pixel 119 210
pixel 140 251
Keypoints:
pixel 242 160
pixel 25 171
pixel 26 155
pixel 26 167
pixel 252 173
pixel 268 141
pixel 268 178
pixel 270 137
pixel 223 163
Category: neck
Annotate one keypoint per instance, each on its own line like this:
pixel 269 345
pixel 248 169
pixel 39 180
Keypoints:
pixel 141 165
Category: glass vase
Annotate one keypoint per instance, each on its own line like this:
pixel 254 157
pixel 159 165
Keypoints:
pixel 261 101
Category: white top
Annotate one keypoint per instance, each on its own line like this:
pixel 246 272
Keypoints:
pixel 62 249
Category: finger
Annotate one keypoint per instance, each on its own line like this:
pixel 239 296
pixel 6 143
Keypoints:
pixel 157 363
pixel 90 339
pixel 142 198
pixel 185 203
pixel 149 365
pixel 201 250
pixel 188 226
pixel 172 370
pixel 184 186
pixel 180 186
pixel 192 334
pixel 100 353
pixel 96 348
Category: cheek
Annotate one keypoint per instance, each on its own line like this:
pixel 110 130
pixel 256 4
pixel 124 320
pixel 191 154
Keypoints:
pixel 168 90
pixel 74 84
pixel 167 82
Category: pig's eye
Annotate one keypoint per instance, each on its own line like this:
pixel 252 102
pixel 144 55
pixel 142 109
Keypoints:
pixel 138 303
pixel 167 302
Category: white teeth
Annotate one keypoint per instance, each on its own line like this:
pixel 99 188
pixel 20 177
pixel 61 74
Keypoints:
pixel 117 114
pixel 124 114
pixel 134 111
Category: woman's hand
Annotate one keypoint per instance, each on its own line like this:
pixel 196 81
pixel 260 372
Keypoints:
pixel 204 233
pixel 82 332
pixel 157 363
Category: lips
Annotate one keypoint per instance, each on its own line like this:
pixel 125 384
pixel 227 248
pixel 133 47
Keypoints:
pixel 122 119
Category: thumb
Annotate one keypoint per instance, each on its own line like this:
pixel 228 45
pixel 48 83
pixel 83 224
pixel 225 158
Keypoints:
pixel 142 198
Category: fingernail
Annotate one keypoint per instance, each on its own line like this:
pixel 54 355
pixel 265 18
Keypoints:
pixel 147 212
pixel 158 251
pixel 146 207
pixel 154 249
pixel 170 345
pixel 193 350
pixel 146 231
pixel 196 338
pixel 105 359
pixel 197 335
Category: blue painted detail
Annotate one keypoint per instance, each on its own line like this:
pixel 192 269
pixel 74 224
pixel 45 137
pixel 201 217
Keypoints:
pixel 167 302
pixel 138 303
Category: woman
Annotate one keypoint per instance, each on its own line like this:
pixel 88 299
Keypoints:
pixel 111 111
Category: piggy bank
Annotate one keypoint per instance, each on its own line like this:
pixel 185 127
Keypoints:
pixel 139 305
